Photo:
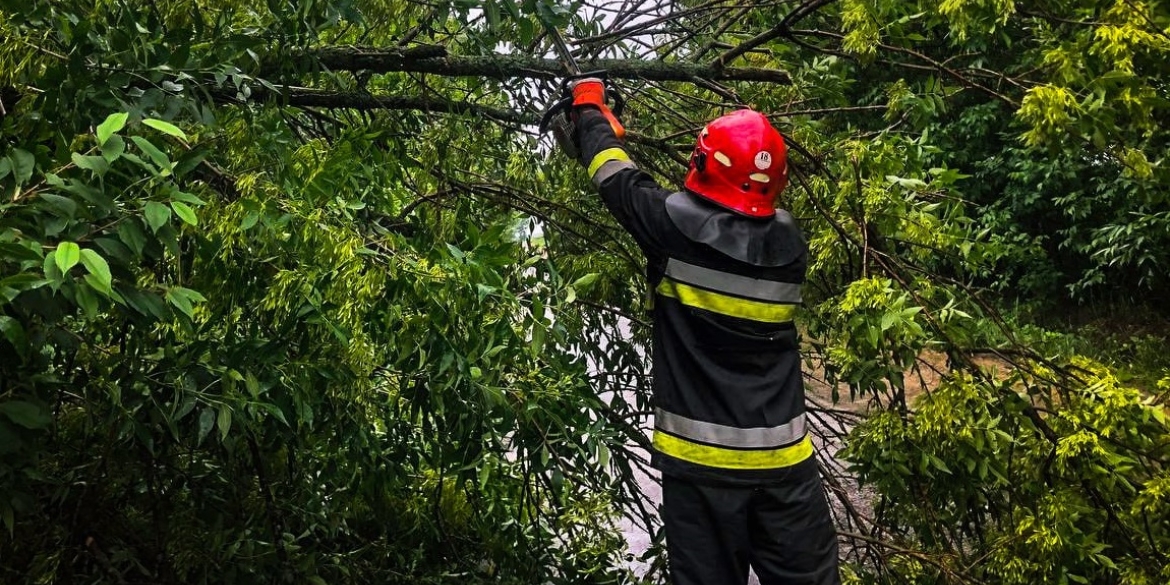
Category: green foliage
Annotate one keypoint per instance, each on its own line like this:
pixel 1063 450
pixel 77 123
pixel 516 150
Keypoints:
pixel 234 360
pixel 367 339
pixel 1010 480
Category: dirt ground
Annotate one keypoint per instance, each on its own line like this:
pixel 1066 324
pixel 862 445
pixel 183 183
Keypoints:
pixel 932 368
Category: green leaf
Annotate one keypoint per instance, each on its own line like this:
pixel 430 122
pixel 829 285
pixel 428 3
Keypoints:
pixel 26 414
pixel 182 298
pixel 250 382
pixel 157 215
pixel 249 221
pixel 52 273
pixel 63 206
pixel 206 420
pixel 114 248
pixel 182 303
pixel 23 163
pixel 113 148
pixel 165 127
pixel 97 164
pixel 85 298
pixel 194 295
pixel 224 422
pixel 586 281
pixel 939 463
pixel 511 6
pixel 274 410
pixel 492 11
pixel 114 123
pixel 68 253
pixel 184 212
pixel 14 333
pixel 148 303
pixel 483 290
pixel 131 235
pixel 99 268
pixel 184 407
pixel 187 198
pixel 189 161
pixel 24 251
pixel 157 156
pixel 537 343
pixel 101 202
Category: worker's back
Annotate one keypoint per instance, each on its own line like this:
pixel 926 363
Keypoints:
pixel 728 391
pixel 727 376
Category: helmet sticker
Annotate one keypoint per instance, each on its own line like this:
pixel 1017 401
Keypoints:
pixel 723 158
pixel 760 177
pixel 763 160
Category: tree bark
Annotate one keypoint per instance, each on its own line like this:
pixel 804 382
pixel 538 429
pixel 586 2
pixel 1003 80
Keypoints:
pixel 319 98
pixel 437 61
pixel 304 97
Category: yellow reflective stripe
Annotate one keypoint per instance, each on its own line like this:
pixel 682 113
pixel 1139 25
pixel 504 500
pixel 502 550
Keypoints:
pixel 609 154
pixel 733 458
pixel 769 291
pixel 726 304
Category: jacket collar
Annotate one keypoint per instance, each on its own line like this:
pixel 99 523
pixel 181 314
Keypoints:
pixel 770 242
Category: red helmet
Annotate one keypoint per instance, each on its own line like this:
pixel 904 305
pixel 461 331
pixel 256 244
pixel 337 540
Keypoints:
pixel 741 163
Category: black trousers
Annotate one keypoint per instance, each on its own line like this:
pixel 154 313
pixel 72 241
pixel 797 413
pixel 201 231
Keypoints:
pixel 714 533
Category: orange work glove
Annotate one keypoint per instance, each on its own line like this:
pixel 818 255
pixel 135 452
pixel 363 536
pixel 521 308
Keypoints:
pixel 591 92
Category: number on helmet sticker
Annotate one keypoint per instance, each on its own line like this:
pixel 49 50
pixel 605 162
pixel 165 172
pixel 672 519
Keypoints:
pixel 763 160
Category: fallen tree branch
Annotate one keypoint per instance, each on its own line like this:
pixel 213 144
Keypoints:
pixel 917 555
pixel 318 98
pixel 306 97
pixel 436 61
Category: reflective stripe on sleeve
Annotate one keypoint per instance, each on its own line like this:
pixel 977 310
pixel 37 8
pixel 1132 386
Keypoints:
pixel 607 155
pixel 726 436
pixel 725 304
pixel 733 458
pixel 735 284
pixel 611 168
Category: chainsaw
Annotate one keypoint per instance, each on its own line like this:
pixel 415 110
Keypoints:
pixel 558 118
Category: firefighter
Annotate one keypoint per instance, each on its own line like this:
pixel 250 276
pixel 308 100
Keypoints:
pixel 739 480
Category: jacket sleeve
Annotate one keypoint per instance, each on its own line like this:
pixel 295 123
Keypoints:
pixel 633 197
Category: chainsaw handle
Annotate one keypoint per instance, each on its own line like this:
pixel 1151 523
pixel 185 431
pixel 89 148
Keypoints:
pixel 611 93
pixel 565 104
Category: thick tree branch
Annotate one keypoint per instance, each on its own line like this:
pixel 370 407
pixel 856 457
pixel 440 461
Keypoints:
pixel 306 97
pixel 351 58
pixel 436 61
pixel 318 98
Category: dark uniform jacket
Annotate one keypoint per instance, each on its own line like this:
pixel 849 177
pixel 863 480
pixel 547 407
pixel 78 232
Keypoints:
pixel 728 393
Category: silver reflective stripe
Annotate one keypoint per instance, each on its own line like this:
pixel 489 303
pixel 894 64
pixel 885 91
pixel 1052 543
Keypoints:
pixel 742 286
pixel 725 436
pixel 610 169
